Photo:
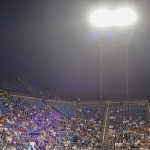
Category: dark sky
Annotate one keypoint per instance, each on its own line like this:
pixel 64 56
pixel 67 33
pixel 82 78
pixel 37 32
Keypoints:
pixel 52 42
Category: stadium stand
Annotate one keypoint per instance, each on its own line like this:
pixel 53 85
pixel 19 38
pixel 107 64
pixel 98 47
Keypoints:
pixel 68 109
pixel 27 122
pixel 13 86
pixel 128 126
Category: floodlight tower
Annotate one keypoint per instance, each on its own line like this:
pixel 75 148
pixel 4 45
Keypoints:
pixel 114 82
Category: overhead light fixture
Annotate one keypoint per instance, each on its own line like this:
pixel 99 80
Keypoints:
pixel 106 18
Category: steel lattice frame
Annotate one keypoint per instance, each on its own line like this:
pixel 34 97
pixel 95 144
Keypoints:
pixel 104 91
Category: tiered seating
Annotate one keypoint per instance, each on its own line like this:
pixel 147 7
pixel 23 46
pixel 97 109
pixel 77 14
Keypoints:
pixel 29 119
pixel 94 112
pixel 13 86
pixel 4 106
pixel 36 88
pixel 33 103
pixel 126 121
pixel 18 130
pixel 126 110
pixel 67 109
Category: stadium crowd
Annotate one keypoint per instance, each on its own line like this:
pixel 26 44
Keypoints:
pixel 43 127
pixel 128 131
pixel 25 126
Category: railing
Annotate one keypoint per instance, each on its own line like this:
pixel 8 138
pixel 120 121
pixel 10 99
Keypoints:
pixel 148 109
pixel 148 106
pixel 104 132
pixel 84 102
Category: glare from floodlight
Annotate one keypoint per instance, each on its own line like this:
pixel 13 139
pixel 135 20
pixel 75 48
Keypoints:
pixel 101 17
pixel 120 17
pixel 124 17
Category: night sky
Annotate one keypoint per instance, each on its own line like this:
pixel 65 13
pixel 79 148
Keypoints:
pixel 53 43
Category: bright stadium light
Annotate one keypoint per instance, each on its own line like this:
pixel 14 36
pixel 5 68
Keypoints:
pixel 124 17
pixel 120 17
pixel 101 17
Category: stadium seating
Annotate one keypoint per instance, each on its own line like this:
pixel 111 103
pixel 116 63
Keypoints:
pixel 93 112
pixel 67 109
pixel 67 125
pixel 46 127
pixel 13 86
pixel 34 103
pixel 129 109
pixel 4 106
pixel 128 120
pixel 36 88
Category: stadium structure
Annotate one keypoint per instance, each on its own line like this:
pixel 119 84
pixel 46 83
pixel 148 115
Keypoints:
pixel 29 119
pixel 32 119
pixel 114 30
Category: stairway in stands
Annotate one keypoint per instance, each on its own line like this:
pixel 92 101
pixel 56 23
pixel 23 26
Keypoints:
pixel 105 126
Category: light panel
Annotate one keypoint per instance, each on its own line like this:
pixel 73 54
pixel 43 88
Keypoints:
pixel 124 17
pixel 101 17
pixel 120 17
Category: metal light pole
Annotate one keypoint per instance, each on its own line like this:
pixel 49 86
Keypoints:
pixel 104 21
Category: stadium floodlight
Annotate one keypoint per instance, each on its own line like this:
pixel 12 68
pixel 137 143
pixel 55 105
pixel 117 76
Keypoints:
pixel 101 17
pixel 107 18
pixel 124 17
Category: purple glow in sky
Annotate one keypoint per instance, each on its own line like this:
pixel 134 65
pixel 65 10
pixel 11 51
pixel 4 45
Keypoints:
pixel 110 34
pixel 93 36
